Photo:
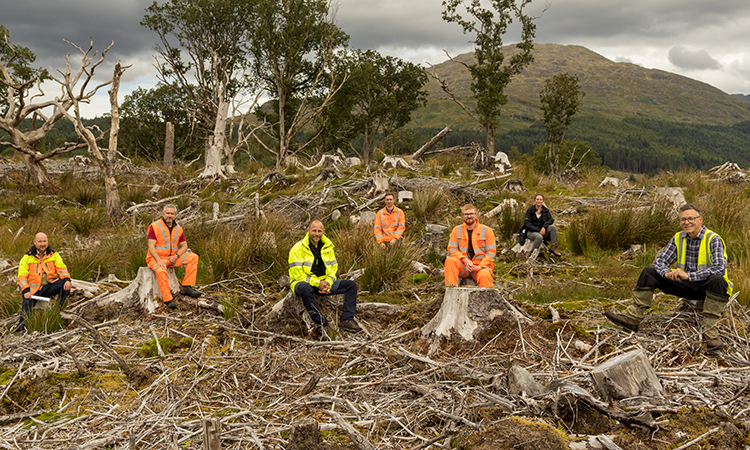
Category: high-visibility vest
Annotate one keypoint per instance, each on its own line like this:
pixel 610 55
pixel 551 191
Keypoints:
pixel 301 260
pixel 483 243
pixel 389 225
pixel 704 254
pixel 31 269
pixel 167 242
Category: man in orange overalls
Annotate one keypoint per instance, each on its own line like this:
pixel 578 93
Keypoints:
pixel 390 223
pixel 471 251
pixel 167 247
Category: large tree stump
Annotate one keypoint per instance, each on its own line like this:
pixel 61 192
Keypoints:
pixel 626 376
pixel 143 291
pixel 466 312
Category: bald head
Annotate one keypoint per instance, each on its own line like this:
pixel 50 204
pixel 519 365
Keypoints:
pixel 41 242
pixel 316 230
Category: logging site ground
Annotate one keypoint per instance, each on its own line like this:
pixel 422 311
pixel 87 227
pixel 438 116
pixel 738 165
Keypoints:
pixel 230 370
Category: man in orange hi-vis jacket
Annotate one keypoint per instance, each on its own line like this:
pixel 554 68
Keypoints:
pixel 390 223
pixel 167 247
pixel 471 251
pixel 41 275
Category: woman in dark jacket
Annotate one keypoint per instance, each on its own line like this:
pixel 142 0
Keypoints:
pixel 539 225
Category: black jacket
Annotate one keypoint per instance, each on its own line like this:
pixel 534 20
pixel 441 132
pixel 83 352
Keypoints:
pixel 534 224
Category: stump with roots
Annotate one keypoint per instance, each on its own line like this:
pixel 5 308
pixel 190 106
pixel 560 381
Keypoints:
pixel 627 375
pixel 466 313
pixel 143 291
pixel 525 252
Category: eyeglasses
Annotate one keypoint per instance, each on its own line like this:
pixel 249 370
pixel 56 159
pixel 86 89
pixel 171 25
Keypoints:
pixel 470 214
pixel 688 219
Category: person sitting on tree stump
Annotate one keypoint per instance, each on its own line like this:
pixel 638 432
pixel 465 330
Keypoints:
pixel 471 251
pixel 701 274
pixel 312 268
pixel 41 273
pixel 539 225
pixel 168 248
pixel 390 223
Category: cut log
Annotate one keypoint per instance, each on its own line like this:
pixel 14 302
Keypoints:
pixel 626 376
pixel 143 291
pixel 289 310
pixel 466 312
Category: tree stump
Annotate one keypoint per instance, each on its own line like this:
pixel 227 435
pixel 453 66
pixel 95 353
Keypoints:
pixel 305 435
pixel 626 376
pixel 520 380
pixel 143 291
pixel 466 312
pixel 525 252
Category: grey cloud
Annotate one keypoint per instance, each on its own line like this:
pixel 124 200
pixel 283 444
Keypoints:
pixel 692 60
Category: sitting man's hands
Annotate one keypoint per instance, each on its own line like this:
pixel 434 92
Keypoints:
pixel 324 287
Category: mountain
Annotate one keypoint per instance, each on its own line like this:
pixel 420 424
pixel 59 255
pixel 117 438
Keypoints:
pixel 613 90
pixel 743 97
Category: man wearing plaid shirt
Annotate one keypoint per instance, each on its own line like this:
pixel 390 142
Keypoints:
pixel 700 258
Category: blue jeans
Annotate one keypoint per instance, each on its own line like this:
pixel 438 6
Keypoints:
pixel 346 287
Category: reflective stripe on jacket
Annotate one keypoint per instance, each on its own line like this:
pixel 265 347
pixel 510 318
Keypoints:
pixel 301 261
pixel 483 243
pixel 167 243
pixel 704 254
pixel 31 269
pixel 389 225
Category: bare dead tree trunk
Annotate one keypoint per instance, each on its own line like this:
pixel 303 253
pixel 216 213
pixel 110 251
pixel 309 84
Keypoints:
pixel 112 194
pixel 216 143
pixel 36 172
pixel 431 142
pixel 169 146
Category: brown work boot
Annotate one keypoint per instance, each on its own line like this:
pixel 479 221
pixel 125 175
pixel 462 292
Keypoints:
pixel 713 344
pixel 350 326
pixel 622 320
pixel 553 250
pixel 171 304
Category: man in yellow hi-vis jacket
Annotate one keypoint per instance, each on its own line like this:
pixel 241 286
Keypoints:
pixel 41 273
pixel 701 274
pixel 312 268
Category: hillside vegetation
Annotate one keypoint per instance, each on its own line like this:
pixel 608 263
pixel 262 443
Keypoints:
pixel 613 90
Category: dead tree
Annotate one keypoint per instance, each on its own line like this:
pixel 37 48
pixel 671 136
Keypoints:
pixel 20 103
pixel 106 161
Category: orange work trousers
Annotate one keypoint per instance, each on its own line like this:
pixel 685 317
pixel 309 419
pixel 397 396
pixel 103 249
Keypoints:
pixel 454 269
pixel 189 260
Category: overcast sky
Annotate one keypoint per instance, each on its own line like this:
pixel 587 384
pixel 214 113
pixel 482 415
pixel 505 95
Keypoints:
pixel 703 39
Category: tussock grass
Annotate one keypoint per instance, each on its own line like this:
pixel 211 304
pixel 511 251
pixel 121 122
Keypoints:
pixel 45 320
pixel 87 221
pixel 509 221
pixel 29 208
pixel 352 245
pixel 426 204
pixel 84 192
pixel 134 193
pixel 263 246
pixel 618 229
pixel 389 268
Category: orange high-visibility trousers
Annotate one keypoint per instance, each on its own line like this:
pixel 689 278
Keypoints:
pixel 454 269
pixel 189 260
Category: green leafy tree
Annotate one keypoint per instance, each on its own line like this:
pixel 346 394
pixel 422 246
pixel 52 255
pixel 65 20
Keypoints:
pixel 145 114
pixel 491 73
pixel 561 97
pixel 294 50
pixel 19 84
pixel 215 35
pixel 377 99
